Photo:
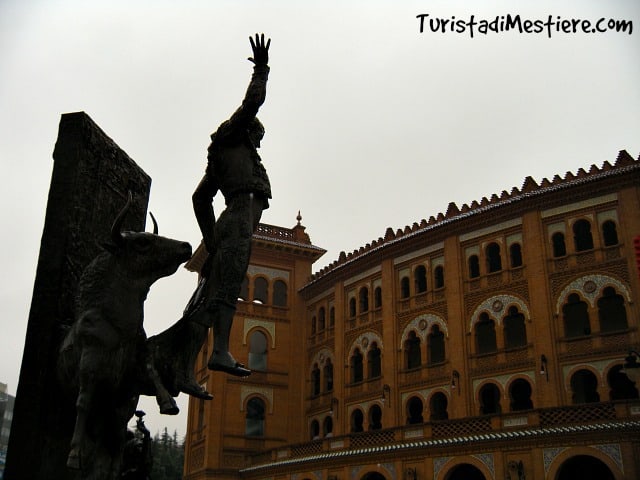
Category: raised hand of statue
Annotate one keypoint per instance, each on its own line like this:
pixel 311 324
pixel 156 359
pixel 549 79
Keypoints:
pixel 260 50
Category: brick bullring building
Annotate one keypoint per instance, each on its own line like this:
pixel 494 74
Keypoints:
pixel 485 343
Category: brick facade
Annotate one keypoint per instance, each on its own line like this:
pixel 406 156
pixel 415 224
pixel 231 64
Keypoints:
pixel 486 342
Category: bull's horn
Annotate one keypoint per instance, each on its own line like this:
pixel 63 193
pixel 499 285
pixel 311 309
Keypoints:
pixel 155 224
pixel 116 235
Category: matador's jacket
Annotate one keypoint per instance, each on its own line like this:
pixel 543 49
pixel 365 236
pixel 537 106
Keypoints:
pixel 234 165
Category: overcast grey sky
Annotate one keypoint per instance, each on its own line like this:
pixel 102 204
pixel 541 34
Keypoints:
pixel 370 123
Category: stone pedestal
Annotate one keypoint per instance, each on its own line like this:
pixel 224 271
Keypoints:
pixel 89 185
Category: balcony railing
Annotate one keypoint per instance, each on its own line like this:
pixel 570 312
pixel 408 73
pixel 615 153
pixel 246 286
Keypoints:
pixel 502 359
pixel 495 279
pixel 595 343
pixel 488 426
pixel 422 299
pixel 589 257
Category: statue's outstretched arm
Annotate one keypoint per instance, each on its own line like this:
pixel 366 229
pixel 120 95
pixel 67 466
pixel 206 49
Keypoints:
pixel 257 90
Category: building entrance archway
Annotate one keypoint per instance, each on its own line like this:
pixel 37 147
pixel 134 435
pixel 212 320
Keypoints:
pixel 465 471
pixel 373 476
pixel 584 467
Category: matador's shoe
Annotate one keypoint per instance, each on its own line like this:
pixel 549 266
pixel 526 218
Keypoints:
pixel 224 362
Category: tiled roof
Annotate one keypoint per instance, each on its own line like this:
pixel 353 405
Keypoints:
pixel 530 189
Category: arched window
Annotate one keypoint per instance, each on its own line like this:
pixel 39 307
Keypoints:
pixel 515 255
pixel 559 247
pixel 515 331
pixel 582 237
pixel 332 317
pixel 315 430
pixel 258 351
pixel 584 386
pixel 490 400
pixel 254 420
pixel 357 418
pixel 315 380
pixel 520 394
pixel 314 323
pixel 375 418
pixel 494 262
pixel 352 307
pixel 609 233
pixel 321 319
pixel 576 317
pixel 611 311
pixel 244 289
pixel 327 426
pixel 474 266
pixel 374 360
pixel 412 351
pixel 377 298
pixel 356 367
pixel 584 467
pixel 438 407
pixel 420 279
pixel 621 388
pixel 404 287
pixel 438 277
pixel 363 295
pixel 435 346
pixel 414 411
pixel 260 290
pixel 328 376
pixel 485 330
pixel 280 293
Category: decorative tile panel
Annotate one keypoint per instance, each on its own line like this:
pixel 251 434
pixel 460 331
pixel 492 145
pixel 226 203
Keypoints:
pixel 247 391
pixel 590 287
pixel 497 307
pixel 438 463
pixel 271 273
pixel 364 341
pixel 422 326
pixel 549 455
pixel 612 450
pixel 487 459
pixel 592 202
pixel 269 326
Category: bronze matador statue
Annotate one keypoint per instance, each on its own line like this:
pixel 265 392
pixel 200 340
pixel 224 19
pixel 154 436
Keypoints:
pixel 235 169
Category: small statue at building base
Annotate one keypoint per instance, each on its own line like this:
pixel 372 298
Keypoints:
pixel 137 459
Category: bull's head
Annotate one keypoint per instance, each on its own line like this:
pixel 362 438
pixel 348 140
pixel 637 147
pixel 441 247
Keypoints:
pixel 147 254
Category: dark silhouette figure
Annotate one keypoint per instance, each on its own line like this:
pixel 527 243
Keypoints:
pixel 235 169
pixel 138 457
pixel 102 357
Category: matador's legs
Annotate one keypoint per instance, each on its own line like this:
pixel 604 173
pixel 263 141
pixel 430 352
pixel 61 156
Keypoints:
pixel 232 238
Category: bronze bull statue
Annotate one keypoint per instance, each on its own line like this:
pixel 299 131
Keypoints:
pixel 106 361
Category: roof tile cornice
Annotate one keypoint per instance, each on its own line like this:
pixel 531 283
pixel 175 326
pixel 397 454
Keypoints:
pixel 530 190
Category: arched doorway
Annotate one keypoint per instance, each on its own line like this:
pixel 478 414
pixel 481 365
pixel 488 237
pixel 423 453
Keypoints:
pixel 465 471
pixel 373 476
pixel 584 467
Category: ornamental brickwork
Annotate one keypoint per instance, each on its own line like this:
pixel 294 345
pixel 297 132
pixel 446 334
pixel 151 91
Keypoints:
pixel 486 342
